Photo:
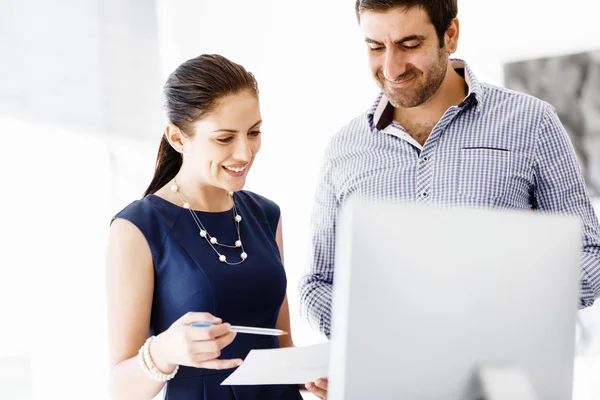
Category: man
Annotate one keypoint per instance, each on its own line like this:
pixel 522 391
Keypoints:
pixel 437 135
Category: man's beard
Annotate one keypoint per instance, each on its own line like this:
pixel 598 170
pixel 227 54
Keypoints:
pixel 421 89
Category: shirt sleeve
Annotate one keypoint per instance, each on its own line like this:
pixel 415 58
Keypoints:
pixel 560 187
pixel 317 284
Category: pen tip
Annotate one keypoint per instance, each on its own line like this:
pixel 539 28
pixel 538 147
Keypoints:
pixel 284 333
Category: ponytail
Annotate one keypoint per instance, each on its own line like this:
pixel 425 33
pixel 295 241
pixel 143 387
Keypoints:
pixel 168 163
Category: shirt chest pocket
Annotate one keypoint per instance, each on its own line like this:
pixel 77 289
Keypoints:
pixel 483 173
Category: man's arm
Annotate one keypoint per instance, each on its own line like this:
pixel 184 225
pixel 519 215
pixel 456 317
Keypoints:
pixel 560 187
pixel 317 285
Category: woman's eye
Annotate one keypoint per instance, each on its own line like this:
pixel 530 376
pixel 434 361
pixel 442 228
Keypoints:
pixel 225 140
pixel 254 133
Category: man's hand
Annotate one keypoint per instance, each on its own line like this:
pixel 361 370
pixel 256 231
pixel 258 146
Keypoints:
pixel 318 388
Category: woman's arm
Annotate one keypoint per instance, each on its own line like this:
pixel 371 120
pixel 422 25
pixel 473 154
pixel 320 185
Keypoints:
pixel 283 322
pixel 129 290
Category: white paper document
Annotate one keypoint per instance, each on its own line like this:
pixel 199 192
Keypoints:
pixel 292 365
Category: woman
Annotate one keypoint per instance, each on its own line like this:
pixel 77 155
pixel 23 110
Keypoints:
pixel 197 246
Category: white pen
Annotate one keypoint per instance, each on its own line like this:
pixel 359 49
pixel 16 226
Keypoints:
pixel 244 329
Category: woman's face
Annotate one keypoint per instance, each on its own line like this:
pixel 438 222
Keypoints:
pixel 225 142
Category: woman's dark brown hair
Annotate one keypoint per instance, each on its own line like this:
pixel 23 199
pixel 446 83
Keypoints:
pixel 191 92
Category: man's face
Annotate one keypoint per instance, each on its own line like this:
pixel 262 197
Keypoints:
pixel 404 55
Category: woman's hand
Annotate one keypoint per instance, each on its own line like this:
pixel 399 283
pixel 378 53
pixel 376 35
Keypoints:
pixel 318 388
pixel 183 344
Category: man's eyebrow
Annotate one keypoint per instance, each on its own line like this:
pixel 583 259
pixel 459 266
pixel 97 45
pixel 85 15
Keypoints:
pixel 410 38
pixel 400 41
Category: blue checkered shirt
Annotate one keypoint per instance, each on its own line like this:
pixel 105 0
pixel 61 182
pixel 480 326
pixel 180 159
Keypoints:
pixel 497 148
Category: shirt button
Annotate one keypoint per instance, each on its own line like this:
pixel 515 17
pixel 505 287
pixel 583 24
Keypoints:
pixel 425 158
pixel 425 194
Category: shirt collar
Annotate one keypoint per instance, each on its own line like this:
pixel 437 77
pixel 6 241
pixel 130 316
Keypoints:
pixel 381 113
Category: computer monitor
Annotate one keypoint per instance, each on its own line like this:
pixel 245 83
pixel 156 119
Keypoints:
pixel 424 297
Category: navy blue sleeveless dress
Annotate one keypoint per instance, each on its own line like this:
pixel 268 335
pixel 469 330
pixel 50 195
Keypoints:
pixel 188 276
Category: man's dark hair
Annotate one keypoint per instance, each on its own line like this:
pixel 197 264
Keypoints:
pixel 441 12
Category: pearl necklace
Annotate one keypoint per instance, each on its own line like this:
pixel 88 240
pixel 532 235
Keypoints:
pixel 211 240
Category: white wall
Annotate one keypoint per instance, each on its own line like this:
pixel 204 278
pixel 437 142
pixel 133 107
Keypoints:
pixel 494 32
pixel 91 66
pixel 56 212
pixel 76 79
